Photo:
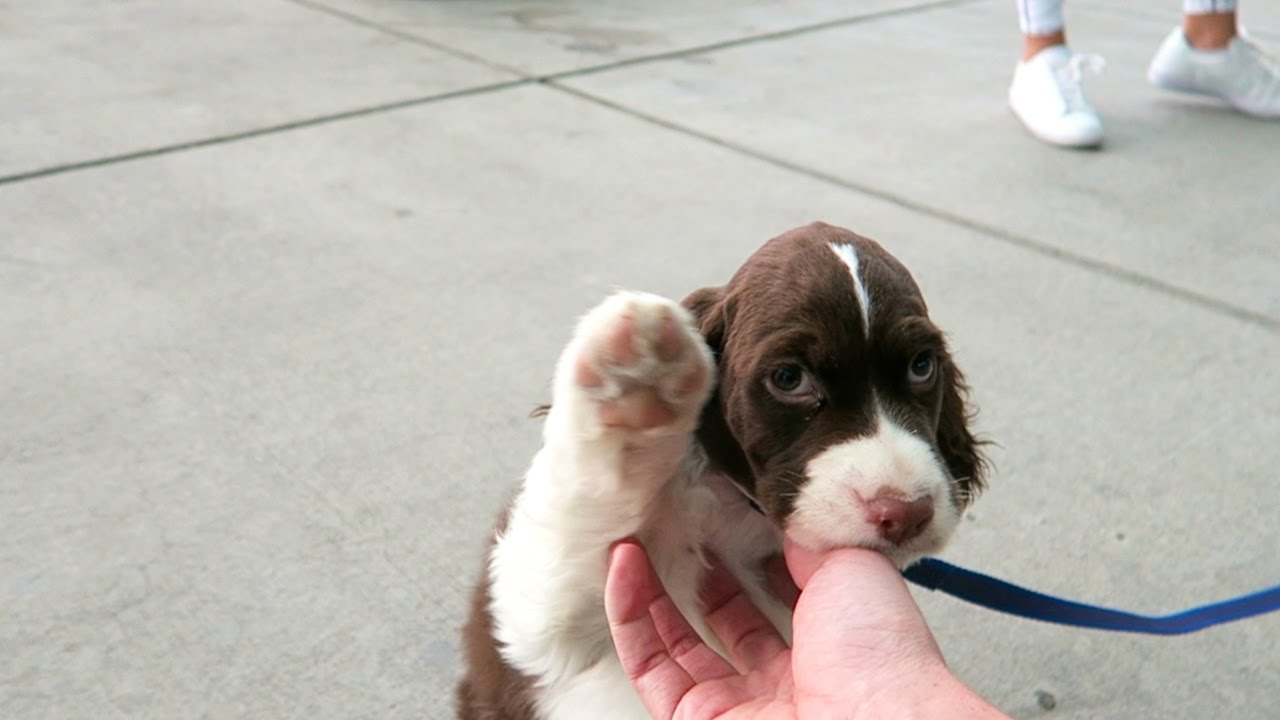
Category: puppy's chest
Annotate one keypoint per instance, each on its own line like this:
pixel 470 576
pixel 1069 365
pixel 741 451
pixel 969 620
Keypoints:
pixel 709 515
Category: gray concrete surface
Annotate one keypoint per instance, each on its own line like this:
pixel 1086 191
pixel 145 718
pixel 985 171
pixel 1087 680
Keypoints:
pixel 279 282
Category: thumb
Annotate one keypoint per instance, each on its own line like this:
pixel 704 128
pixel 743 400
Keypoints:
pixel 801 561
pixel 851 583
pixel 876 573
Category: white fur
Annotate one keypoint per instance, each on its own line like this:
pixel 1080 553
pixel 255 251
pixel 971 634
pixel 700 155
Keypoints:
pixel 590 486
pixel 829 511
pixel 849 255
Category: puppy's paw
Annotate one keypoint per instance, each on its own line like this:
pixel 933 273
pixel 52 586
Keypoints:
pixel 639 362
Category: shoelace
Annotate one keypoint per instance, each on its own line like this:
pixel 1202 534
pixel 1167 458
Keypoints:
pixel 1072 73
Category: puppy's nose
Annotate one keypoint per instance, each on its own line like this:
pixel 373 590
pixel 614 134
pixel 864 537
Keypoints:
pixel 899 520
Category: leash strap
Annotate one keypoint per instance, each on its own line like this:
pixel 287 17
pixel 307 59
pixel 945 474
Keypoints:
pixel 995 594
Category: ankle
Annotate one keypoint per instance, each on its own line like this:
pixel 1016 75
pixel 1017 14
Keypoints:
pixel 1033 44
pixel 1210 31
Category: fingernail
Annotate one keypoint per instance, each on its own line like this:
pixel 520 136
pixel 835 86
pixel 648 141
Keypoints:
pixel 619 543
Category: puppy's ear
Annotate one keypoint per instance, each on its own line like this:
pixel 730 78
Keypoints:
pixel 707 308
pixel 961 451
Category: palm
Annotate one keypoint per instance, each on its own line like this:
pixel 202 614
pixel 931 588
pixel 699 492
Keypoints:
pixel 677 674
pixel 862 646
pixel 765 693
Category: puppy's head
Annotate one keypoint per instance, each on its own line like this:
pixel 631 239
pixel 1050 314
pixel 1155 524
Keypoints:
pixel 838 407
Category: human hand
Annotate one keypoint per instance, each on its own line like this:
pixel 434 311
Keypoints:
pixel 861 646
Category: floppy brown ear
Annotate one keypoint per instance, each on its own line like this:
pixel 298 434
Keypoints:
pixel 711 316
pixel 708 314
pixel 961 451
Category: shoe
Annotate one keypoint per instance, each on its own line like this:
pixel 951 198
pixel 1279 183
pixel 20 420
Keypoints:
pixel 1047 97
pixel 1241 74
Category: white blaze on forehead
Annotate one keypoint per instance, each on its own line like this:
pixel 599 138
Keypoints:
pixel 849 256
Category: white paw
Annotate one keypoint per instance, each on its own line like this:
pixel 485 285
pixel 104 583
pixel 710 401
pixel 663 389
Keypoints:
pixel 638 360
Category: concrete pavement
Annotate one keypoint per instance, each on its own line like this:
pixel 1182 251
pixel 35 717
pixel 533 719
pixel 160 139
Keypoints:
pixel 280 281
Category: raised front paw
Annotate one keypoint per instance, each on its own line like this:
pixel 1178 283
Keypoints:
pixel 637 360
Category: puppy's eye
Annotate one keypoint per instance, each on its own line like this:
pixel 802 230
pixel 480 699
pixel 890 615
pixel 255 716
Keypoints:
pixel 923 368
pixel 791 380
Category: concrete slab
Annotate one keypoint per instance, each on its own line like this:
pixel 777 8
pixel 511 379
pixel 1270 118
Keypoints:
pixel 913 109
pixel 568 35
pixel 81 81
pixel 267 397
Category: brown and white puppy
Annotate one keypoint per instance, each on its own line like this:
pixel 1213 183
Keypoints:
pixel 813 385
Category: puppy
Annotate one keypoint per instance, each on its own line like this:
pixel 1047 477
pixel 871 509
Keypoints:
pixel 810 395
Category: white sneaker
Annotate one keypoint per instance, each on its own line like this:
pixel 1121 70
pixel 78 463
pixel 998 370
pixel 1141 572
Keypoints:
pixel 1241 74
pixel 1047 97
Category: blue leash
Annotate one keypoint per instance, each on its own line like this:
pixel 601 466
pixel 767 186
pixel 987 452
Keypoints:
pixel 994 594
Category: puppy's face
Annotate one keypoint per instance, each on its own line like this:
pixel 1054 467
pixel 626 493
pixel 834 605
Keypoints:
pixel 838 408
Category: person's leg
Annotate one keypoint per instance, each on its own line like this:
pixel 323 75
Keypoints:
pixel 1041 24
pixel 1208 55
pixel 1209 24
pixel 1046 94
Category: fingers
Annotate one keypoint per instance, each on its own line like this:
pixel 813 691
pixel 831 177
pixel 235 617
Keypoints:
pixel 685 646
pixel 660 653
pixel 748 636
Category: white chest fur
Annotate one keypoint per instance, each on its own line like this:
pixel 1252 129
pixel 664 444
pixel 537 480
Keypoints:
pixel 548 582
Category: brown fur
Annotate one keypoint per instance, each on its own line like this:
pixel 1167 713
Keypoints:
pixel 792 301
pixel 752 324
pixel 491 689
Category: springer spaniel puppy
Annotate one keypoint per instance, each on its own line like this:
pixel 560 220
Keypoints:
pixel 810 395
